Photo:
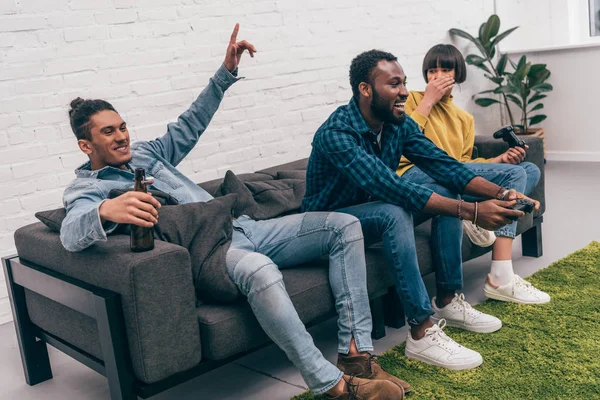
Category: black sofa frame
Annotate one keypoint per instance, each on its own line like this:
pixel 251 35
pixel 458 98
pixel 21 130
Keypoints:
pixel 104 306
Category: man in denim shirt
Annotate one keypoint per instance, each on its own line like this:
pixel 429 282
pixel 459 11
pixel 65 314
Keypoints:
pixel 352 169
pixel 258 249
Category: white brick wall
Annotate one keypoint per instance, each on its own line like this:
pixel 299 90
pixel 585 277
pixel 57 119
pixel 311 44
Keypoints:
pixel 150 58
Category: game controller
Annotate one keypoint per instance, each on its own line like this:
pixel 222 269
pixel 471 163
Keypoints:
pixel 522 205
pixel 508 135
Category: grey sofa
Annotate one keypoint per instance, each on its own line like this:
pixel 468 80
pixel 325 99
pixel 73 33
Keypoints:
pixel 134 318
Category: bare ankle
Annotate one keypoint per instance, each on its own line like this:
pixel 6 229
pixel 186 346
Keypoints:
pixel 443 299
pixel 418 331
pixel 353 350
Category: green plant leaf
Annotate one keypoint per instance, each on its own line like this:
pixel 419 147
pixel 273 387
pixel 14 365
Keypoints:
pixel 542 87
pixel 522 69
pixel 536 119
pixel 506 89
pixel 490 29
pixel 515 100
pixel 486 101
pixel 502 64
pixel 536 98
pixel 497 81
pixel 538 106
pixel 492 53
pixel 512 63
pixel 536 68
pixel 482 92
pixel 465 35
pixel 522 61
pixel 483 67
pixel 539 77
pixel 520 127
pixel 481 32
pixel 514 85
pixel 473 59
pixel 501 36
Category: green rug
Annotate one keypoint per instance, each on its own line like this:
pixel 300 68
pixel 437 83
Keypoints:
pixel 549 351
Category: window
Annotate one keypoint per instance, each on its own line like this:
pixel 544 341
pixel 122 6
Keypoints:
pixel 549 24
pixel 594 12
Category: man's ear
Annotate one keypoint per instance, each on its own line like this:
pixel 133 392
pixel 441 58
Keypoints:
pixel 365 89
pixel 85 146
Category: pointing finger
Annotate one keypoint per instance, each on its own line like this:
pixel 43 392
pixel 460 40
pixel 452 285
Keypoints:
pixel 234 34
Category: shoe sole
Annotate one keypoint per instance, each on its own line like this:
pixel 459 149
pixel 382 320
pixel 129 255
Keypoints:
pixel 500 297
pixel 455 367
pixel 477 329
pixel 475 239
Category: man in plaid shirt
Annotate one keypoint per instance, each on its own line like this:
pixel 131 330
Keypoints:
pixel 352 169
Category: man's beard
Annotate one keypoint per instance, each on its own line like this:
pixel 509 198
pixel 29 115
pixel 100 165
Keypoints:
pixel 382 111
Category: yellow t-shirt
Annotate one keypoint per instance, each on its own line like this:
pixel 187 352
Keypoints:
pixel 451 128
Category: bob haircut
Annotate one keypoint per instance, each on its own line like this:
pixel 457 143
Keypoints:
pixel 445 56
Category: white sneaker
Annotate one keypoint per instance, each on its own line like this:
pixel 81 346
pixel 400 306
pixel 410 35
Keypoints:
pixel 518 290
pixel 436 348
pixel 460 314
pixel 477 235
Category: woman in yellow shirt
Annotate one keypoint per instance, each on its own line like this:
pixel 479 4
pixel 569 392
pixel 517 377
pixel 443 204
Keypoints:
pixel 452 129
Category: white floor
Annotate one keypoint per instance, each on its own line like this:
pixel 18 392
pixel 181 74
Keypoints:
pixel 570 222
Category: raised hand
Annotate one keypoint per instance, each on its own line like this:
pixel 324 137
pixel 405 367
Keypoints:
pixel 514 155
pixel 137 208
pixel 235 50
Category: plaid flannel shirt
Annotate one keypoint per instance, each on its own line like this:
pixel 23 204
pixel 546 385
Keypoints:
pixel 343 169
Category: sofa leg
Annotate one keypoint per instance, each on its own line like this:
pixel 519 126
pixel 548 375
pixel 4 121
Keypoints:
pixel 378 319
pixel 115 351
pixel 531 241
pixel 394 312
pixel 34 353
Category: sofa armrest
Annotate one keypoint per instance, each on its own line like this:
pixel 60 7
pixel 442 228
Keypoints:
pixel 489 147
pixel 156 288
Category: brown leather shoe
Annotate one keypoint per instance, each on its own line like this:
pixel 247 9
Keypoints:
pixel 366 366
pixel 369 389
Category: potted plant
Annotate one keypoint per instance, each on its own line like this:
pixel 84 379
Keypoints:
pixel 523 86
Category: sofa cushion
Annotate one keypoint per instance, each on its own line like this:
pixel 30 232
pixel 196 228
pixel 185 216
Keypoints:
pixel 214 187
pixel 299 174
pixel 291 166
pixel 204 228
pixel 227 330
pixel 265 199
pixel 52 218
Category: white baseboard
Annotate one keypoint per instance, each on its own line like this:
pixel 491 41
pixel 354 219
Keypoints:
pixel 581 156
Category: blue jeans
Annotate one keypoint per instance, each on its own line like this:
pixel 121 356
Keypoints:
pixel 522 177
pixel 261 248
pixel 395 227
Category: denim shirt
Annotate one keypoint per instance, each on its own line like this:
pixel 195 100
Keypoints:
pixel 82 225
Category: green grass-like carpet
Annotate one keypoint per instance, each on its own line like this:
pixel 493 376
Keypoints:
pixel 549 351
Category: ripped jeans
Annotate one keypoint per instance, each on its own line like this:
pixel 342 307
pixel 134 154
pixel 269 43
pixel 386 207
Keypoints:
pixel 261 248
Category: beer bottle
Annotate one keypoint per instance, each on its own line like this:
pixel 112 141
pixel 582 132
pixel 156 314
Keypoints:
pixel 141 238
